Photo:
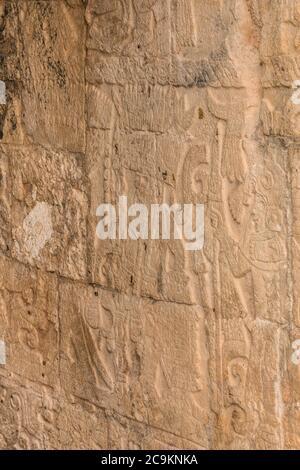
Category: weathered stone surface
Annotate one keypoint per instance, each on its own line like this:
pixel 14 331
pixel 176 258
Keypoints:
pixel 49 207
pixel 126 344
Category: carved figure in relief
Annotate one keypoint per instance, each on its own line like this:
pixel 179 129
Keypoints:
pixel 262 253
pixel 258 248
pixel 241 341
pixel 248 269
pixel 185 32
pixel 151 34
pixel 110 23
pixel 19 427
pixel 95 332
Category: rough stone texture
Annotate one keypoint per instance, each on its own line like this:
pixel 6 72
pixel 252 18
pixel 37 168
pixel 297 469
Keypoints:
pixel 123 344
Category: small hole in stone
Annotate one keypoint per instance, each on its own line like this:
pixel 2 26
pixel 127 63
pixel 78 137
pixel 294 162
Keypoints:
pixel 96 293
pixel 200 113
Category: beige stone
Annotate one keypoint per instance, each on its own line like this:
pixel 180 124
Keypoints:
pixel 123 344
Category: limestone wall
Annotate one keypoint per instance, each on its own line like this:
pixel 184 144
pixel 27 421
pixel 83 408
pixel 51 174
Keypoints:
pixel 124 344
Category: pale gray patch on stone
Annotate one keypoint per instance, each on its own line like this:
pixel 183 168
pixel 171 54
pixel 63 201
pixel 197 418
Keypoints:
pixel 2 353
pixel 37 227
pixel 2 92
